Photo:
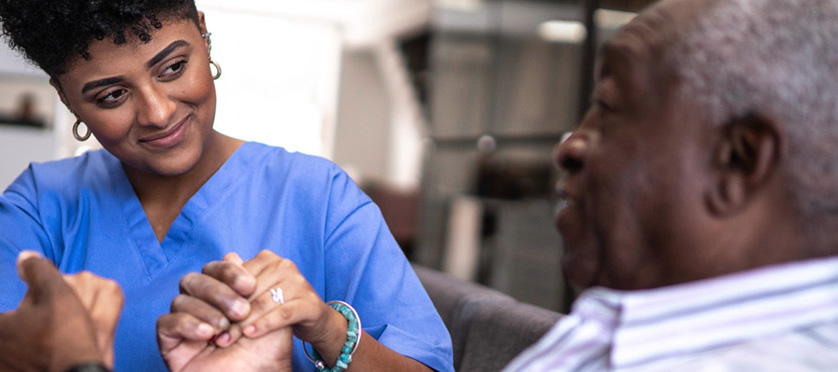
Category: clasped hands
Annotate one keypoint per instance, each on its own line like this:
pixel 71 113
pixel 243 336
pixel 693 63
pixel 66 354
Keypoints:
pixel 226 319
pixel 223 320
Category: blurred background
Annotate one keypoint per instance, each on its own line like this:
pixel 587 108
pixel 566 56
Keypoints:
pixel 444 111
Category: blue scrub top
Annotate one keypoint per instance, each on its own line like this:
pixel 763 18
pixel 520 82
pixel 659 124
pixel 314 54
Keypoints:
pixel 83 214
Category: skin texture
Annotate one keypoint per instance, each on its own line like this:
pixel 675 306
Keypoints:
pixel 60 322
pixel 143 92
pixel 656 195
pixel 188 344
pixel 175 95
pixel 233 298
pixel 103 300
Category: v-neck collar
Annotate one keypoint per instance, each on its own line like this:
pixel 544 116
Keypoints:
pixel 156 255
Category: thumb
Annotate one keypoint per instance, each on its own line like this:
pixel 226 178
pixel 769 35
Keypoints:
pixel 40 275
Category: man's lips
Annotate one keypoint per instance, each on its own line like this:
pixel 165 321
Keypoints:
pixel 563 205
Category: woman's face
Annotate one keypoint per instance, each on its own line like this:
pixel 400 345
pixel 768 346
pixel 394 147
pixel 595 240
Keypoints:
pixel 151 104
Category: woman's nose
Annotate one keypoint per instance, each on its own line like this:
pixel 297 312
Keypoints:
pixel 570 152
pixel 156 107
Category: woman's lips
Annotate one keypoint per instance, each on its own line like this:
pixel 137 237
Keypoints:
pixel 168 138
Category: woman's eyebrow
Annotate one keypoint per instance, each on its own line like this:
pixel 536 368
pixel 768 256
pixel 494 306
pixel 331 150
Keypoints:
pixel 102 82
pixel 165 52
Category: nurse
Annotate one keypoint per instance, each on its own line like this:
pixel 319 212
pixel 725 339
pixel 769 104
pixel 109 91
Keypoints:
pixel 168 197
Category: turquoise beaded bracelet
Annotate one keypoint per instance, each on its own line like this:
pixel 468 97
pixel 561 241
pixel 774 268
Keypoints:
pixel 353 337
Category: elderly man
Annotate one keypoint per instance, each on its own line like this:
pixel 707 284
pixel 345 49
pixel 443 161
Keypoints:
pixel 702 195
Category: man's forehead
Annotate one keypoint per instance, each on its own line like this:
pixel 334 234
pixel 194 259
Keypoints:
pixel 645 39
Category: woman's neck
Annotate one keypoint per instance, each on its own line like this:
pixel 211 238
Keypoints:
pixel 163 197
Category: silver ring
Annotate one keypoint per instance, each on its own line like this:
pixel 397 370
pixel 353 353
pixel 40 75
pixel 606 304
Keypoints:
pixel 277 295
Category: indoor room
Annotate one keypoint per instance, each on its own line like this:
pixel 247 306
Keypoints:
pixel 482 182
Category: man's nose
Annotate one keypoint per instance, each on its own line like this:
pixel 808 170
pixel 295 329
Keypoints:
pixel 570 152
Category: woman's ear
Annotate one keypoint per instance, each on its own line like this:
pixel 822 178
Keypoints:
pixel 746 156
pixel 202 21
pixel 202 25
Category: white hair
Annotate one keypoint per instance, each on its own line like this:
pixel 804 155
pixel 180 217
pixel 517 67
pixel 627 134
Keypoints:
pixel 779 59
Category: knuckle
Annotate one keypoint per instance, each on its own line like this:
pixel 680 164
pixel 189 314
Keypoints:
pixel 111 285
pixel 299 280
pixel 287 264
pixel 208 267
pixel 85 275
pixel 188 280
pixel 179 302
pixel 313 297
pixel 285 312
pixel 265 254
pixel 229 273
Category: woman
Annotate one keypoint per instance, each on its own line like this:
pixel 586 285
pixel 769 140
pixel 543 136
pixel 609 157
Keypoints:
pixel 168 194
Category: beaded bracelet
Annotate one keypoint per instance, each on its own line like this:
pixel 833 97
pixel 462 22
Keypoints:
pixel 353 337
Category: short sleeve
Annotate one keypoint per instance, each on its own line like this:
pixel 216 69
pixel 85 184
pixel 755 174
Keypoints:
pixel 376 278
pixel 20 229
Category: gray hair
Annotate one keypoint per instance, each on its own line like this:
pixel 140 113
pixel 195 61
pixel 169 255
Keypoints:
pixel 779 59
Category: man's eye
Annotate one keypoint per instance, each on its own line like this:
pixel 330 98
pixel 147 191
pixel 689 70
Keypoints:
pixel 600 104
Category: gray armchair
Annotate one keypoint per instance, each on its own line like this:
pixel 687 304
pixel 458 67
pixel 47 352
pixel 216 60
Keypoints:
pixel 488 328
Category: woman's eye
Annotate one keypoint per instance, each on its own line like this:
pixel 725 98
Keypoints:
pixel 112 99
pixel 174 70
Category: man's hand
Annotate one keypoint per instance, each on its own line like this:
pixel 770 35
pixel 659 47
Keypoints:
pixel 52 330
pixel 103 300
pixel 187 336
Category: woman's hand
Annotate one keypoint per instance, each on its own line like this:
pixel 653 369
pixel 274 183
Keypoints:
pixel 312 320
pixel 234 298
pixel 231 299
pixel 185 345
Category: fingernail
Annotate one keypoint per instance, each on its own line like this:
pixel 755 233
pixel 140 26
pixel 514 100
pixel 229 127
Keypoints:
pixel 204 330
pixel 250 330
pixel 24 255
pixel 241 308
pixel 224 338
pixel 224 323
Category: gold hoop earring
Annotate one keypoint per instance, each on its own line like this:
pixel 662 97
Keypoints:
pixel 217 70
pixel 76 131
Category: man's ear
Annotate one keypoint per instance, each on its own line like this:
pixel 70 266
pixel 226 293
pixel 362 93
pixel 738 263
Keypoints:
pixel 57 86
pixel 746 156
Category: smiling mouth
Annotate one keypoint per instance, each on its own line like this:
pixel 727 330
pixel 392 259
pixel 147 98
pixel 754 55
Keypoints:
pixel 564 202
pixel 165 134
pixel 168 138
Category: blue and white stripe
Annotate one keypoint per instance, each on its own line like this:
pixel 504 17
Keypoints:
pixel 718 324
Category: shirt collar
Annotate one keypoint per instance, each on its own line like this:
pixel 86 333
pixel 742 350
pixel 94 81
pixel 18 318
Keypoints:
pixel 654 324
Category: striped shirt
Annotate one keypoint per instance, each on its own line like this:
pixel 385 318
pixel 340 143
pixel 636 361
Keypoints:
pixel 779 318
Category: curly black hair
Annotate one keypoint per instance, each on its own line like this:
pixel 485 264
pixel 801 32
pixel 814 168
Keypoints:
pixel 51 33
